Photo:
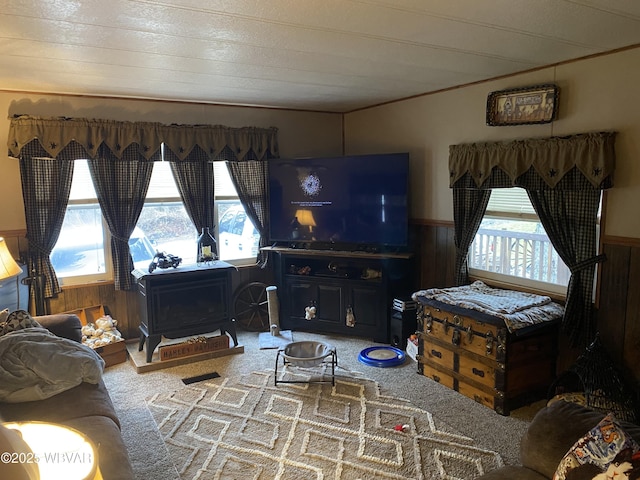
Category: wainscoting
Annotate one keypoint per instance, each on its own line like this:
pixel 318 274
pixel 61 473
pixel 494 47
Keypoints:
pixel 618 301
pixel 124 306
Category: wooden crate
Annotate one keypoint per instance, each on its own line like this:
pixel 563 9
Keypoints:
pixel 113 353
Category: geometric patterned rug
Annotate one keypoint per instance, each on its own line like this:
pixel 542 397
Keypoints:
pixel 249 429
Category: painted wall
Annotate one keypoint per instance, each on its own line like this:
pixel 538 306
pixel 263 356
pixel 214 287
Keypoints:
pixel 299 133
pixel 596 94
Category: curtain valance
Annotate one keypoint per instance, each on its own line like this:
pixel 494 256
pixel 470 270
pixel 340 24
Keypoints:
pixel 543 161
pixel 56 133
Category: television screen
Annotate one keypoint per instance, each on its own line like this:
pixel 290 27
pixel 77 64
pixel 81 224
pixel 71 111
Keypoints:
pixel 350 202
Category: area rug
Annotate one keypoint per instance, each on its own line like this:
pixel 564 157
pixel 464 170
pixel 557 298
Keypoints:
pixel 247 428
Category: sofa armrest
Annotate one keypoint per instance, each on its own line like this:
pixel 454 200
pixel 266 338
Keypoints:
pixel 66 325
pixel 555 429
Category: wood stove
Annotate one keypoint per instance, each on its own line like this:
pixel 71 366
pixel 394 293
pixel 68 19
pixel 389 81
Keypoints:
pixel 184 301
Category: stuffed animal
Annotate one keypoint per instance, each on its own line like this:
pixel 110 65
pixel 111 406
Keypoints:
pixel 100 333
pixel 310 312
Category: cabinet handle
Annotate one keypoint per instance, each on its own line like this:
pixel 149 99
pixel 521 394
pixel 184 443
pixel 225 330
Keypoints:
pixel 479 373
pixel 436 353
pixel 455 338
pixel 428 323
pixel 436 378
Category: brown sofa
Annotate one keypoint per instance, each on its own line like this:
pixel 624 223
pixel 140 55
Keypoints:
pixel 87 408
pixel 553 431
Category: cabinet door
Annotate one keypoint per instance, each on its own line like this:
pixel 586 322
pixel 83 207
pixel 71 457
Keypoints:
pixel 326 298
pixel 366 303
pixel 330 305
pixel 299 296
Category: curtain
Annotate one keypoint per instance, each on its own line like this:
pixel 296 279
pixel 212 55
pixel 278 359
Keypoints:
pixel 570 218
pixel 62 140
pixel 250 180
pixel 46 183
pixel 194 179
pixel 468 209
pixel 55 133
pixel 121 186
pixel 564 177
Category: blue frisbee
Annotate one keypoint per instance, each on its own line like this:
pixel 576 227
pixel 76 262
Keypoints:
pixel 382 356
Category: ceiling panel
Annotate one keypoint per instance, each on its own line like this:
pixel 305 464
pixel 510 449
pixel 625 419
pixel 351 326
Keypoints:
pixel 331 55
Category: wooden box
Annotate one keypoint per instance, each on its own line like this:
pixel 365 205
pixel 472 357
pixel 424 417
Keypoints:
pixel 482 360
pixel 112 353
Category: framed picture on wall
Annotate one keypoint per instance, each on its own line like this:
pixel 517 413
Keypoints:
pixel 523 106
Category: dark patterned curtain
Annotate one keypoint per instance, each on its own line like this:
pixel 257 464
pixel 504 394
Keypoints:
pixel 250 180
pixel 564 177
pixel 46 183
pixel 194 179
pixel 570 219
pixel 62 140
pixel 121 186
pixel 468 209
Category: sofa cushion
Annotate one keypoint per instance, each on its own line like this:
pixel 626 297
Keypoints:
pixel 65 325
pixel 554 430
pixel 85 400
pixel 606 448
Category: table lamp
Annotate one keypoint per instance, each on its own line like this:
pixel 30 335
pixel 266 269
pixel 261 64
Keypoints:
pixel 8 266
pixel 305 218
pixel 60 452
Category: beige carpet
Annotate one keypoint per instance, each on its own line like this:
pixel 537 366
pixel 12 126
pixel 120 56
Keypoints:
pixel 248 428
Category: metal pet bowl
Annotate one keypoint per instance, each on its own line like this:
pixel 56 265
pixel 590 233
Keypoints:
pixel 307 353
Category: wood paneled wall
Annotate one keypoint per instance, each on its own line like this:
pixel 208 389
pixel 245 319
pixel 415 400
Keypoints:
pixel 618 308
pixel 619 303
pixel 124 306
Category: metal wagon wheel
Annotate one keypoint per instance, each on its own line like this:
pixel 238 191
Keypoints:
pixel 250 306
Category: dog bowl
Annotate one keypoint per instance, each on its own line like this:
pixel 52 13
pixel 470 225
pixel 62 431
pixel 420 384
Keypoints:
pixel 307 353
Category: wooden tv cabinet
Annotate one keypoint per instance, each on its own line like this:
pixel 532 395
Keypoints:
pixel 352 291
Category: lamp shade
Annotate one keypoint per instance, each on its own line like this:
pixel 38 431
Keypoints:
pixel 8 266
pixel 305 217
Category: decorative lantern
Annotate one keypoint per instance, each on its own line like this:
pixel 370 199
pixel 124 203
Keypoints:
pixel 207 247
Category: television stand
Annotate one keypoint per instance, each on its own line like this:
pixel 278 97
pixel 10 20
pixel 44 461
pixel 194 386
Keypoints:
pixel 352 292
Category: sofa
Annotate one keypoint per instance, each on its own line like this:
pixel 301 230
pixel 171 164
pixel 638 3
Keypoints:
pixel 554 430
pixel 86 408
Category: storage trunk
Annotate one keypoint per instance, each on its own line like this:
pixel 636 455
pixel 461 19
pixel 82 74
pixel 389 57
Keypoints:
pixel 480 359
pixel 112 353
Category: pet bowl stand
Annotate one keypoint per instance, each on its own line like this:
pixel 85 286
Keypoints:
pixel 307 354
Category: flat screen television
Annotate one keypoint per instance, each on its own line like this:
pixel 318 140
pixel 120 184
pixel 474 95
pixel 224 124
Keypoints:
pixel 346 203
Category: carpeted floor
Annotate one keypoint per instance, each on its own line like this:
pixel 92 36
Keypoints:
pixel 150 458
pixel 251 428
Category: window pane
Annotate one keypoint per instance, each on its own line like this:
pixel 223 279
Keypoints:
pixel 224 184
pixel 165 227
pixel 80 247
pixel 517 248
pixel 81 185
pixel 237 237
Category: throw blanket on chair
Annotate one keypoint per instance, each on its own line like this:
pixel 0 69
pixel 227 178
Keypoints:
pixel 36 364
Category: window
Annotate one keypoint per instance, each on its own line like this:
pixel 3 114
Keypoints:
pixel 80 255
pixel 511 245
pixel 166 223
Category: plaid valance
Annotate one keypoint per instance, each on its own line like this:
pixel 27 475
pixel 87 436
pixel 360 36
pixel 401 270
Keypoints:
pixel 573 162
pixel 187 142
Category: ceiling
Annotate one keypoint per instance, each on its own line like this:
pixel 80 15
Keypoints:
pixel 322 55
